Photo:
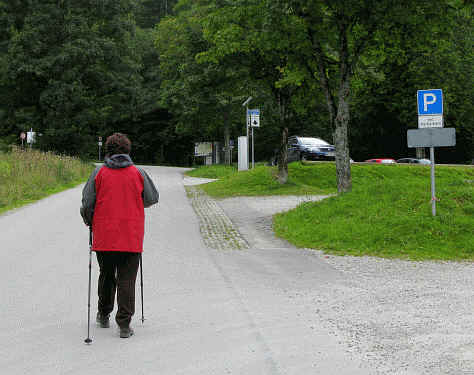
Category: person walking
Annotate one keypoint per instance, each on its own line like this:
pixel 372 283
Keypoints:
pixel 113 202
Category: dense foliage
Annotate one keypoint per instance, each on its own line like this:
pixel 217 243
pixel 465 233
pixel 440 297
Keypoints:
pixel 170 73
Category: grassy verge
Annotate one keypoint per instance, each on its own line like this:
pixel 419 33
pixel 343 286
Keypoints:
pixel 261 181
pixel 388 213
pixel 26 176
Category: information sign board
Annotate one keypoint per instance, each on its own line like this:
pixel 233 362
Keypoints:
pixel 430 108
pixel 253 116
pixel 440 137
pixel 203 149
pixel 435 121
pixel 430 102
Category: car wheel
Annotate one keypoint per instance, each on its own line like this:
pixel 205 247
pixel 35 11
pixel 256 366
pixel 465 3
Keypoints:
pixel 303 157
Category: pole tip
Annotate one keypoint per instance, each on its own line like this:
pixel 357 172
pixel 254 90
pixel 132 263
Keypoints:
pixel 88 341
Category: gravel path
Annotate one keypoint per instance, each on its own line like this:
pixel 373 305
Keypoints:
pixel 408 317
pixel 402 317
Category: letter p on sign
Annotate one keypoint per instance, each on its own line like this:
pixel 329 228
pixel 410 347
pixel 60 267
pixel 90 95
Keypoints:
pixel 428 99
pixel 430 102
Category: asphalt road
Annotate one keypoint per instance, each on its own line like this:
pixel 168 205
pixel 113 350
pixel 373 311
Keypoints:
pixel 207 311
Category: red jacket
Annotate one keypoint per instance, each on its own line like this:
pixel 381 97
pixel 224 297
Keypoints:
pixel 117 207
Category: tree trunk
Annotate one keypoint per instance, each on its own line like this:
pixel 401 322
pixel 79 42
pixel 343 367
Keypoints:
pixel 227 138
pixel 283 153
pixel 283 158
pixel 339 116
pixel 343 163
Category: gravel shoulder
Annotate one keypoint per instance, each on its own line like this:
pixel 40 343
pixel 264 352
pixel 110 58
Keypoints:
pixel 403 317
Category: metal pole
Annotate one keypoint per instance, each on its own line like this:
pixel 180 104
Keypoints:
pixel 247 127
pixel 88 340
pixel 141 283
pixel 433 191
pixel 253 151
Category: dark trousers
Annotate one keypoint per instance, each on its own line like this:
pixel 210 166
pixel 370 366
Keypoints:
pixel 118 272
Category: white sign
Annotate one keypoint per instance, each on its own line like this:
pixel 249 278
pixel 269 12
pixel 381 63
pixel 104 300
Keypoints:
pixel 100 143
pixel 430 121
pixel 203 149
pixel 254 118
pixel 30 137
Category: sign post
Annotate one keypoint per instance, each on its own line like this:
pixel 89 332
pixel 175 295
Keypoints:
pixel 100 145
pixel 430 132
pixel 253 118
pixel 247 124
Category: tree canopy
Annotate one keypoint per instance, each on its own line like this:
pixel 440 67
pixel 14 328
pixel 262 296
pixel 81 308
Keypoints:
pixel 170 73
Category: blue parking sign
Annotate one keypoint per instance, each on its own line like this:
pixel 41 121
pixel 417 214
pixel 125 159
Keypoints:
pixel 430 102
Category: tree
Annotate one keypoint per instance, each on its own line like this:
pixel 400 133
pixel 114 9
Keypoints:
pixel 203 96
pixel 425 51
pixel 150 12
pixel 71 71
pixel 247 34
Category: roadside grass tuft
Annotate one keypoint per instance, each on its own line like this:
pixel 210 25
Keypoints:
pixel 388 213
pixel 29 175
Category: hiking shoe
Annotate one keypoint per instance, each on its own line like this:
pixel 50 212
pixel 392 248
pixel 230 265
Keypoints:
pixel 103 320
pixel 126 332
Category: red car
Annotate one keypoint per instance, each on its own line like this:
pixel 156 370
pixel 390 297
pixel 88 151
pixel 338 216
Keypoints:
pixel 382 161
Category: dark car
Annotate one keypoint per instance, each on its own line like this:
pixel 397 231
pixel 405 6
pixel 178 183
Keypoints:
pixel 309 148
pixel 414 161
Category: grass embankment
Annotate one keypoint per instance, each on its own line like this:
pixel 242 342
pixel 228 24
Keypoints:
pixel 262 181
pixel 26 176
pixel 388 213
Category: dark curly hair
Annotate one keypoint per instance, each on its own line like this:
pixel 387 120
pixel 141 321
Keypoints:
pixel 117 143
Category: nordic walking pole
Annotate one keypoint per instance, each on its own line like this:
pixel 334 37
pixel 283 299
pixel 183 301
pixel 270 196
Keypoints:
pixel 141 283
pixel 88 340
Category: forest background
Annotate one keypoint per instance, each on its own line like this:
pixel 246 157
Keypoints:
pixel 170 73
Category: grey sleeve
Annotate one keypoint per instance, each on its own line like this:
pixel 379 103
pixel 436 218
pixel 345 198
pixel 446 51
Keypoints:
pixel 150 193
pixel 88 198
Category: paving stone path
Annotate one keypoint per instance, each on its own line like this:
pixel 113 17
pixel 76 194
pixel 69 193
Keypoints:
pixel 217 230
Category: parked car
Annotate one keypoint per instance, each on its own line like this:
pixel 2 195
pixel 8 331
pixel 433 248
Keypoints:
pixel 309 148
pixel 381 161
pixel 414 161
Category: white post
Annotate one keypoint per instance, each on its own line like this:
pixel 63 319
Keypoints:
pixel 243 161
pixel 247 127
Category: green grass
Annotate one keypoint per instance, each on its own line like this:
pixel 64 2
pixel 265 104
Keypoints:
pixel 213 171
pixel 26 176
pixel 261 181
pixel 388 213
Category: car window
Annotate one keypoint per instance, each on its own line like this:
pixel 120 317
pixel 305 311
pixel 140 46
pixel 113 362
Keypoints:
pixel 313 142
